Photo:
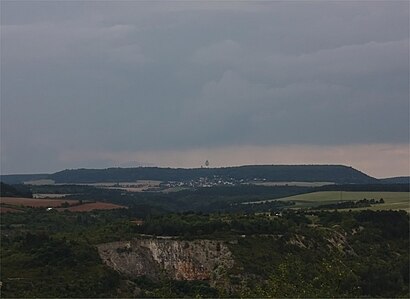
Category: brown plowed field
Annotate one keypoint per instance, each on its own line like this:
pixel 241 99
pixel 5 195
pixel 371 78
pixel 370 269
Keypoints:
pixel 35 203
pixel 9 210
pixel 93 206
pixel 56 203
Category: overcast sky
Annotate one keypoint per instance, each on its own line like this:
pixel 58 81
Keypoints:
pixel 128 83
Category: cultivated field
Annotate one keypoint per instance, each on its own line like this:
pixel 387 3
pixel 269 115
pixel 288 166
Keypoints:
pixel 36 203
pixel 8 210
pixel 93 206
pixel 74 205
pixel 138 186
pixel 49 195
pixel 40 182
pixel 393 200
pixel 300 184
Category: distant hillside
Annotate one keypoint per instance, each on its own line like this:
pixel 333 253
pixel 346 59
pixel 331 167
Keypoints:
pixel 396 180
pixel 282 173
pixel 21 178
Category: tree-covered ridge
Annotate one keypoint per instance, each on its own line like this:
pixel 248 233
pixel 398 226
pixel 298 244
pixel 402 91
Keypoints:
pixel 280 173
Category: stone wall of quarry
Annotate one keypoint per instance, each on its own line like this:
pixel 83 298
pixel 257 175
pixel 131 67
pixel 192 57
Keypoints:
pixel 179 259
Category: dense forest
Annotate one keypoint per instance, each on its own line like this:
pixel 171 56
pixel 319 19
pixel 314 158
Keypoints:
pixel 297 254
pixel 7 190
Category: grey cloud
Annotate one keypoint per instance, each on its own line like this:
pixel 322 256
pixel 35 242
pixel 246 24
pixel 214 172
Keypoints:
pixel 132 76
pixel 226 52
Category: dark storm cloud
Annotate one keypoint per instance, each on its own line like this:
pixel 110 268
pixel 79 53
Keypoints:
pixel 138 76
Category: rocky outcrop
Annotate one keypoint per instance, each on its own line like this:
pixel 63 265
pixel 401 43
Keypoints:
pixel 178 259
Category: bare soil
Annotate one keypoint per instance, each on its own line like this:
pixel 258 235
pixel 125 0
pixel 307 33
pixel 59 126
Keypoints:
pixel 35 202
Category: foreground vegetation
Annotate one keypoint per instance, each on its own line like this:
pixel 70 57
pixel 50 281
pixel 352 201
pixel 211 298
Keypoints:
pixel 286 241
pixel 297 254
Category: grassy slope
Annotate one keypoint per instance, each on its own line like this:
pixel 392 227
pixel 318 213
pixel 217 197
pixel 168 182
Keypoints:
pixel 393 200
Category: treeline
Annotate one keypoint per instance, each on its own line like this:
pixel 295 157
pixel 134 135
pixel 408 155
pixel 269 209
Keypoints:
pixel 363 203
pixel 62 189
pixel 7 190
pixel 260 207
pixel 194 225
pixel 248 190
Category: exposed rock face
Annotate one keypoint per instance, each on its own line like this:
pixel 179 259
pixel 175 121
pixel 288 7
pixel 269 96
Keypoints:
pixel 180 260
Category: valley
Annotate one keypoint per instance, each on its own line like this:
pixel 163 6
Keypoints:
pixel 249 238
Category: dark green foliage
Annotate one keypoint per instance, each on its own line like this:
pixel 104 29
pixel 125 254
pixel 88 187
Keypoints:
pixel 267 206
pixel 37 265
pixel 166 288
pixel 190 225
pixel 391 224
pixel 248 191
pixel 93 227
pixel 310 262
pixel 7 190
pixel 208 200
pixel 62 189
pixel 292 254
pixel 363 203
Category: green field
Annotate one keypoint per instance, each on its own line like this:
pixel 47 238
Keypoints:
pixel 393 200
